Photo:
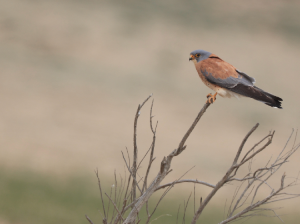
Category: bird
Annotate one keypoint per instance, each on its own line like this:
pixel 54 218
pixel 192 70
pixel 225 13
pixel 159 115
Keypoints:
pixel 227 81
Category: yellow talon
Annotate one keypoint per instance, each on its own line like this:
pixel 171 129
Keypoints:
pixel 208 95
pixel 211 98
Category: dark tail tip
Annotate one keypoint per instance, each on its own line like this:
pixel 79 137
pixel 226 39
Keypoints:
pixel 276 101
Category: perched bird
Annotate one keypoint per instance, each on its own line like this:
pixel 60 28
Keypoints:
pixel 227 81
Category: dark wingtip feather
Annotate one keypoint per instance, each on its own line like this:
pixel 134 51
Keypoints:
pixel 258 94
pixel 276 101
pixel 277 105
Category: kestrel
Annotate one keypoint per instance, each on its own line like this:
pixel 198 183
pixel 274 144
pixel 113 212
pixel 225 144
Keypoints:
pixel 227 81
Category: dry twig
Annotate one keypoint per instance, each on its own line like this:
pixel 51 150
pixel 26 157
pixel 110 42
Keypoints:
pixel 135 149
pixel 99 185
pixel 185 181
pixel 90 221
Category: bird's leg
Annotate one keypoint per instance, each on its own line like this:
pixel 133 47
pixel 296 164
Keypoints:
pixel 211 98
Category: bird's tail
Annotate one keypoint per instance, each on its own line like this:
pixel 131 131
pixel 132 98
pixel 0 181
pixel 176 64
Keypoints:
pixel 258 94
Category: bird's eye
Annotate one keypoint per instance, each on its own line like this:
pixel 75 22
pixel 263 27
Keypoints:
pixel 197 55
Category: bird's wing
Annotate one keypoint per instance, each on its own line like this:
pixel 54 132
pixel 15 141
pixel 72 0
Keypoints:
pixel 223 74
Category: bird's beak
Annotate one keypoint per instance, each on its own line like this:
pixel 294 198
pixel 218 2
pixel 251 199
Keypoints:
pixel 191 57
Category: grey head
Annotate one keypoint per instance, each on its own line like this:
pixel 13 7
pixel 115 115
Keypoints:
pixel 199 55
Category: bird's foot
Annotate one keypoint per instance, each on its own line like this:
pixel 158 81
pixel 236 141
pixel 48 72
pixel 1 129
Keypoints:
pixel 211 98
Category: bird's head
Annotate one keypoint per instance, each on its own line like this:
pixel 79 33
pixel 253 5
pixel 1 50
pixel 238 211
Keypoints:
pixel 199 55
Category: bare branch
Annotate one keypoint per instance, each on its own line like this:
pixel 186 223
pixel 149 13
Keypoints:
pixel 115 187
pixel 152 149
pixel 258 151
pixel 181 146
pixel 243 143
pixel 258 143
pixel 121 213
pixel 144 156
pixel 109 201
pixel 287 142
pixel 194 198
pixel 99 185
pixel 159 217
pixel 160 199
pixel 185 181
pixel 178 214
pixel 257 204
pixel 147 210
pixel 128 182
pixel 121 189
pixel 115 206
pixel 128 157
pixel 151 126
pixel 134 178
pixel 233 198
pixel 135 149
pixel 183 219
pixel 90 221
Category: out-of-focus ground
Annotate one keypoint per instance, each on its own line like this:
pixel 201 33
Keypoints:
pixel 73 73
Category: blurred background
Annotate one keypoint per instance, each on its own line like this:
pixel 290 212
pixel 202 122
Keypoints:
pixel 73 73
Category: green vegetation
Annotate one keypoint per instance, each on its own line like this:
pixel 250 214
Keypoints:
pixel 32 198
pixel 28 197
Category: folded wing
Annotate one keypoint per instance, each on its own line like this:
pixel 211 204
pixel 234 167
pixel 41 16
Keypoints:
pixel 224 75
